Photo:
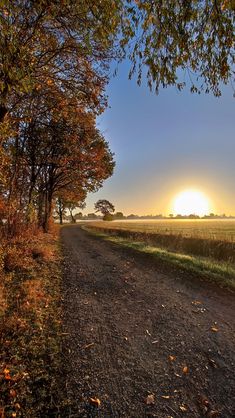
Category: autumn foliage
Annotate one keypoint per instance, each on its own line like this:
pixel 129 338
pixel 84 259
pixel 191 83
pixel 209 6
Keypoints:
pixel 52 89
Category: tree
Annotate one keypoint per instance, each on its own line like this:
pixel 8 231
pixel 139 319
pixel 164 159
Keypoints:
pixel 78 216
pixel 181 40
pixel 91 216
pixel 105 207
pixel 118 215
pixel 56 152
pixel 44 42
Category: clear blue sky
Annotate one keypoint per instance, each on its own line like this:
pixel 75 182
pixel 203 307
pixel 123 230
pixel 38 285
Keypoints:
pixel 167 143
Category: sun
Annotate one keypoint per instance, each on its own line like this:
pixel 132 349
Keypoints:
pixel 191 202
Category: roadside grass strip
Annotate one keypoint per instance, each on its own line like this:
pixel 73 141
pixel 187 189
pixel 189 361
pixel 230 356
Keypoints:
pixel 30 330
pixel 219 272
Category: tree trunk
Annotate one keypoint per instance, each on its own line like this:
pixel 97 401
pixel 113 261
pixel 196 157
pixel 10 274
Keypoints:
pixel 61 216
pixel 60 210
pixel 40 208
pixel 48 211
pixel 3 112
pixel 72 217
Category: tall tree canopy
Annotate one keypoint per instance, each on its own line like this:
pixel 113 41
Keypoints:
pixel 104 206
pixel 181 40
pixel 50 40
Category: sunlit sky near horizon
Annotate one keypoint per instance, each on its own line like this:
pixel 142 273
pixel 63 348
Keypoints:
pixel 166 144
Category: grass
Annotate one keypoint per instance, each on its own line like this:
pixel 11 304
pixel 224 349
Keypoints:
pixel 222 229
pixel 221 273
pixel 30 327
pixel 184 243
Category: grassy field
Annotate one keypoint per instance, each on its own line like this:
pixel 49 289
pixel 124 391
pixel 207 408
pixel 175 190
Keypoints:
pixel 221 273
pixel 222 229
pixel 202 246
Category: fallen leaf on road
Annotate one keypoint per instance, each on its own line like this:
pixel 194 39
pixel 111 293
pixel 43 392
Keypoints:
pixel 172 358
pixel 213 363
pixel 183 408
pixel 214 329
pixel 165 396
pixel 213 413
pixel 89 345
pixel 150 399
pixel 185 370
pixel 196 302
pixel 12 393
pixel 95 402
pixel 205 402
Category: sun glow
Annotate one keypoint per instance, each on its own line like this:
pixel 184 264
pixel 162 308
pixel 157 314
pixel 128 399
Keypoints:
pixel 191 202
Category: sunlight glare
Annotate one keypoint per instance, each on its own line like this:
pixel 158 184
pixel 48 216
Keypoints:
pixel 191 202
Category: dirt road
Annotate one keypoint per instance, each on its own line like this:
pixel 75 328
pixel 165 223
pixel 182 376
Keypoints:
pixel 143 340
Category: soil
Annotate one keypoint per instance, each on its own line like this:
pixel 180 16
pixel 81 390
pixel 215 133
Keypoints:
pixel 140 339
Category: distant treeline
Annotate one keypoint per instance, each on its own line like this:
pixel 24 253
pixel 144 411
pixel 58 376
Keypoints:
pixel 121 216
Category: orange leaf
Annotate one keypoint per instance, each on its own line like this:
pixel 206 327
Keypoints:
pixel 95 402
pixel 172 358
pixel 185 369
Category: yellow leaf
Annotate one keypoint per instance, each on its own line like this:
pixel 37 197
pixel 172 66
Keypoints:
pixel 214 329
